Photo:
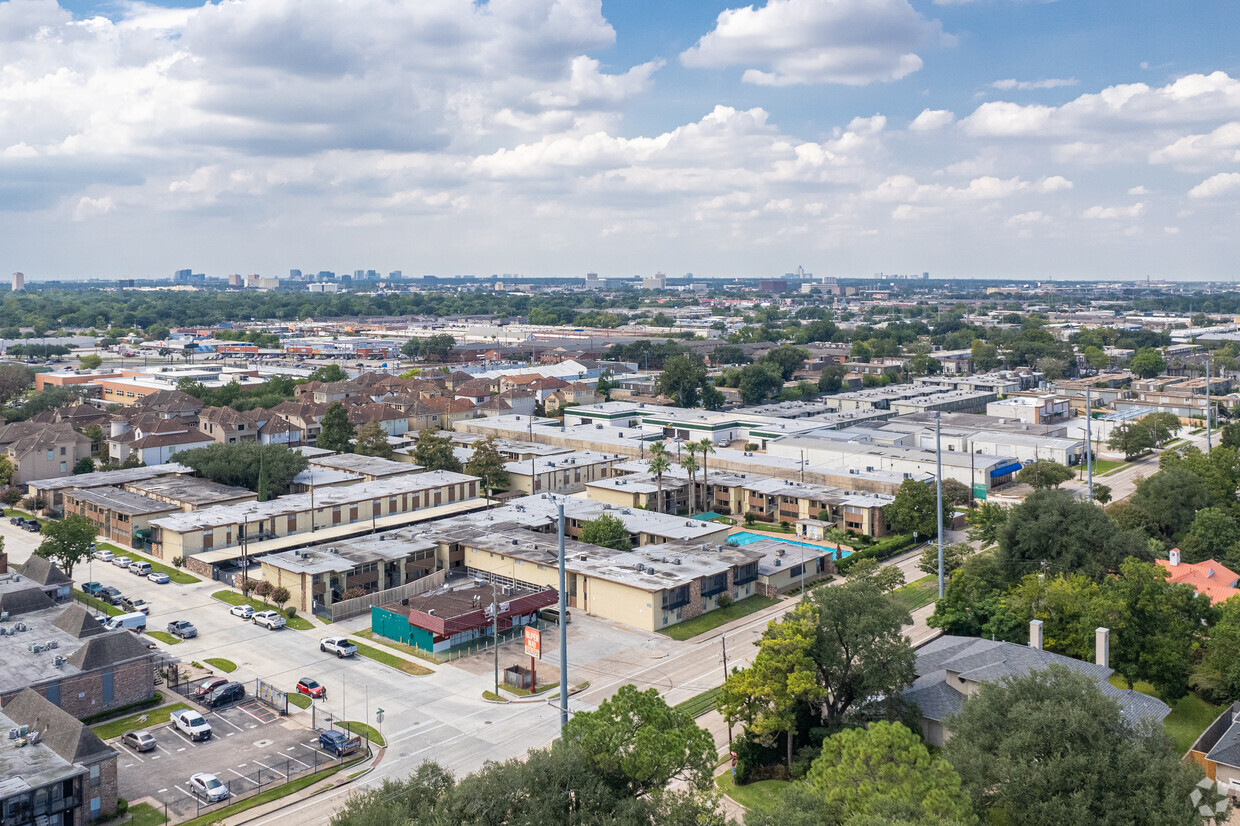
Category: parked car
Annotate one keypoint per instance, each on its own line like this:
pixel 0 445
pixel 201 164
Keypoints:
pixel 91 588
pixel 139 740
pixel 271 620
pixel 134 621
pixel 131 604
pixel 17 520
pixel 340 646
pixel 225 694
pixel 159 578
pixel 111 595
pixel 31 525
pixel 208 787
pixel 338 743
pixel 122 561
pixel 312 688
pixel 243 611
pixel 183 629
pixel 191 724
pixel 205 688
pixel 103 555
pixel 140 568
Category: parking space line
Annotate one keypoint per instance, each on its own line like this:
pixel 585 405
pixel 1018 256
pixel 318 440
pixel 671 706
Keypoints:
pixel 298 762
pixel 268 768
pixel 243 777
pixel 230 722
pixel 255 716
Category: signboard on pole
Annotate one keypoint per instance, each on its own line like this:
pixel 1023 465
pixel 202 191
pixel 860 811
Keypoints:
pixel 533 641
pixel 979 490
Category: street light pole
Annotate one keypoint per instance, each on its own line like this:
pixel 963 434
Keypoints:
pixel 1208 440
pixel 1089 450
pixel 938 459
pixel 563 625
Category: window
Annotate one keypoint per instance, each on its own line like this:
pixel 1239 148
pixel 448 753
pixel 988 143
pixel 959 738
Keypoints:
pixel 674 598
pixel 53 694
pixel 109 679
pixel 50 455
pixel 94 774
pixel 716 584
pixel 746 573
pixel 62 451
pixel 62 467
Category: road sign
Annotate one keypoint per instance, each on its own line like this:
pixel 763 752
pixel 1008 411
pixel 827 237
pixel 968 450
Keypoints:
pixel 979 490
pixel 533 641
pixel 379 717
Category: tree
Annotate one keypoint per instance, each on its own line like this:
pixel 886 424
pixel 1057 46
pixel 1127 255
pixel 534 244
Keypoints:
pixel 954 556
pixel 1213 534
pixel 606 531
pixel 914 509
pixel 1044 473
pixel 886 578
pixel 264 589
pixel 985 357
pixel 1052 368
pixel 658 465
pixel 488 466
pixel 1051 748
pixel 1230 436
pixel 337 432
pixel 1102 493
pixel 67 541
pixel 1147 363
pixel 985 522
pixel 90 362
pixel 437 346
pixel 759 382
pixel 1162 427
pixel 705 446
pixel 690 466
pixel 1131 438
pixel 328 373
pixel 1169 500
pixel 243 464
pixel 84 465
pixel 973 603
pixel 729 354
pixel 433 451
pixel 787 359
pixel 682 379
pixel 14 379
pixel 956 493
pixel 280 595
pixel 831 379
pixel 885 770
pixel 372 440
pixel 1217 678
pixel 637 742
pixel 6 470
pixel 12 496
pixel 1053 532
pixel 712 397
pixel 1096 358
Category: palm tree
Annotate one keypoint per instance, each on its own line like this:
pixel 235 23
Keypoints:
pixel 659 464
pixel 691 467
pixel 706 446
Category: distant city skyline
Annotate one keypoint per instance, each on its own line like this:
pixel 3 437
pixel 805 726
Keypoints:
pixel 987 139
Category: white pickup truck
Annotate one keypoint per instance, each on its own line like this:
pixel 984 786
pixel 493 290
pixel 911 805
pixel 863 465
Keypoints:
pixel 191 724
pixel 271 620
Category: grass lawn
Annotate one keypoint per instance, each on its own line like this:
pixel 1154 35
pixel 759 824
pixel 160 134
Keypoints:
pixel 918 593
pixel 144 814
pixel 399 646
pixel 1102 466
pixel 300 700
pixel 227 666
pixel 363 730
pixel 233 598
pixel 713 619
pixel 391 660
pixel 700 704
pixel 97 604
pixel 762 793
pixel 1189 717
pixel 493 697
pixel 525 692
pixel 154 717
pixel 177 575
pixel 276 793
pixel 164 637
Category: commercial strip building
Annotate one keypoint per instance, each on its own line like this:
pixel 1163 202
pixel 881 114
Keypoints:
pixel 56 772
pixel 134 385
pixel 223 534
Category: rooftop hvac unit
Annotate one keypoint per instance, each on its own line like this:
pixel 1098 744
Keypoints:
pixel 51 644
pixel 4 616
pixel 690 524
pixel 778 562
pixel 3 631
pixel 506 590
pixel 35 648
pixel 676 561
pixel 13 735
pixel 641 569
pixel 480 583
pixel 582 557
pixel 430 612
pixel 59 661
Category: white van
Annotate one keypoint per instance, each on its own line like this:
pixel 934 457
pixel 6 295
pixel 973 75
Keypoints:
pixel 135 622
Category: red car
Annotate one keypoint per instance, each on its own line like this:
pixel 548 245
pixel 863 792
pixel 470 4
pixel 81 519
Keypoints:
pixel 311 687
pixel 204 690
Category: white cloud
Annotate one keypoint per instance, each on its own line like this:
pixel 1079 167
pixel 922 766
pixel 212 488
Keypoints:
pixel 90 207
pixel 1110 213
pixel 931 119
pixel 1031 85
pixel 1055 183
pixel 1220 146
pixel 1224 183
pixel 1000 119
pixel 1026 218
pixel 850 42
pixel 1138 190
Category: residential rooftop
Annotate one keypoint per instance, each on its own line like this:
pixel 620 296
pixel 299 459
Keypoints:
pixel 373 466
pixel 195 492
pixel 112 477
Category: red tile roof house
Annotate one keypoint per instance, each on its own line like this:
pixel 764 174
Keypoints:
pixel 1208 578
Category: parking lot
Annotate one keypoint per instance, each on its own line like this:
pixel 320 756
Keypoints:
pixel 251 747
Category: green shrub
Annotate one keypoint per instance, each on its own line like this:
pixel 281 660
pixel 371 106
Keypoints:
pixel 290 612
pixel 724 601
pixel 122 806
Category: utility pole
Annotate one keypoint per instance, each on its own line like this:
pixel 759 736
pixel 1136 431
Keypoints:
pixel 724 640
pixel 1208 411
pixel 938 459
pixel 1089 450
pixel 563 625
pixel 495 631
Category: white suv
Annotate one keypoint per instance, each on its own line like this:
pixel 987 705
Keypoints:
pixel 271 620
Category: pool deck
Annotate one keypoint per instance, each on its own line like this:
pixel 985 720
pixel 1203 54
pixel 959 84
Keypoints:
pixel 842 551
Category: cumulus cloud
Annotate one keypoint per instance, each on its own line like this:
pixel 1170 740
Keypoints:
pixel 1219 146
pixel 1055 183
pixel 850 42
pixel 1031 85
pixel 1224 183
pixel 1138 190
pixel 1024 219
pixel 90 207
pixel 1111 213
pixel 931 119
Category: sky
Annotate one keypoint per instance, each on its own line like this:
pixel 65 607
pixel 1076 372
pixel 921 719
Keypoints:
pixel 964 138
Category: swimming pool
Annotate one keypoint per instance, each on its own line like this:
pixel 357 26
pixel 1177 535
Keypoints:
pixel 745 537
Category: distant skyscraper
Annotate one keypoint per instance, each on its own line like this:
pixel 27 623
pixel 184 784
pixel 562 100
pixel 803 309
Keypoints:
pixel 19 281
pixel 182 276
pixel 658 281
pixel 295 275
pixel 234 280
pixel 395 275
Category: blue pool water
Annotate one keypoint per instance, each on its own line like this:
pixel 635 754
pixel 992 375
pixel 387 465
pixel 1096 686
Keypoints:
pixel 745 537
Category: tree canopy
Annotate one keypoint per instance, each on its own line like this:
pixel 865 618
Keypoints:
pixel 1044 473
pixel 488 465
pixel 433 451
pixel 243 463
pixel 67 541
pixel 372 440
pixel 606 531
pixel 914 509
pixel 336 431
